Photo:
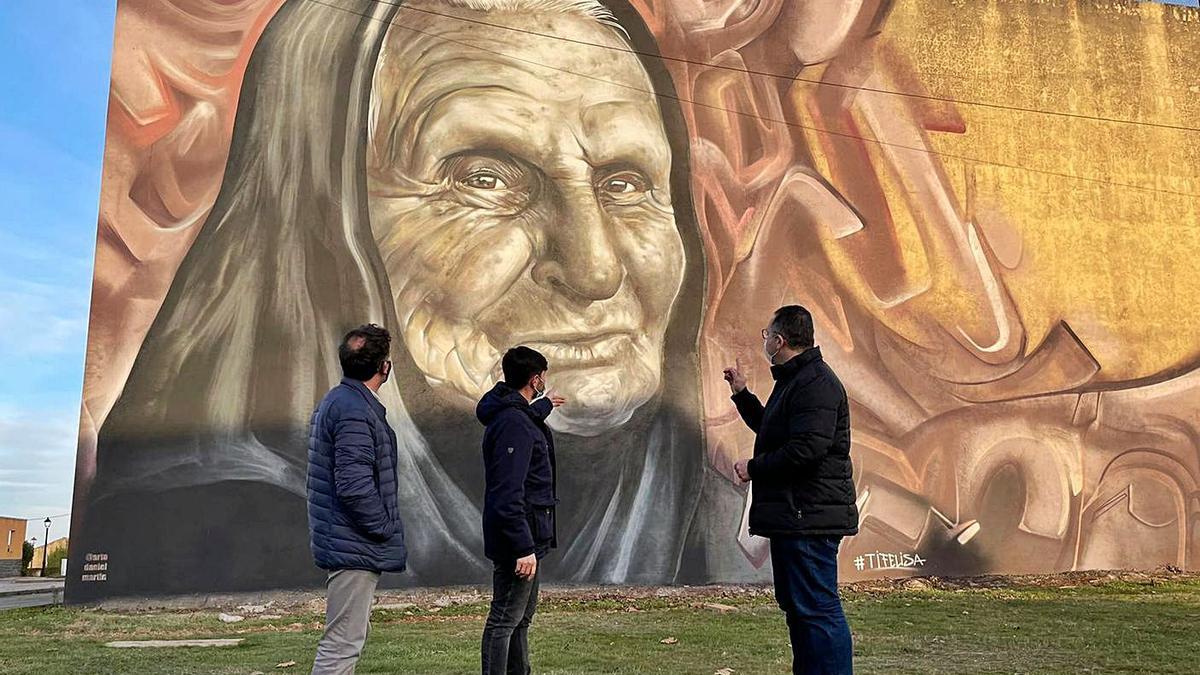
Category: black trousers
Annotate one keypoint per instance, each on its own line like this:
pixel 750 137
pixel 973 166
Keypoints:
pixel 505 646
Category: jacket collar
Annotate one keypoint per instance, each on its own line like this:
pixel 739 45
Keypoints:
pixel 502 396
pixel 788 370
pixel 538 409
pixel 372 399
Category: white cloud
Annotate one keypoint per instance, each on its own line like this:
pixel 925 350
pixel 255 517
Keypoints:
pixel 37 451
pixel 39 318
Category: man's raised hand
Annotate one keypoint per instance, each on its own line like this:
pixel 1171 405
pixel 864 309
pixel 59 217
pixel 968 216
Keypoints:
pixel 735 377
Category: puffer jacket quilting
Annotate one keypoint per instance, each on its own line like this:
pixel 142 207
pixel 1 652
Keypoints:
pixel 353 514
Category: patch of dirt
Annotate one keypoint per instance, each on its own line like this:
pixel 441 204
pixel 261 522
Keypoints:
pixel 420 602
pixel 1063 580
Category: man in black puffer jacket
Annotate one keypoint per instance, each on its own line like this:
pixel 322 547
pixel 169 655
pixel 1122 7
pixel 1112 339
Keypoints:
pixel 804 497
pixel 518 506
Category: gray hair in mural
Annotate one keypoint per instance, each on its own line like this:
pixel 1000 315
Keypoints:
pixel 419 167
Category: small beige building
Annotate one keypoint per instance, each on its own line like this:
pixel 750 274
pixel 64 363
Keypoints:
pixel 35 567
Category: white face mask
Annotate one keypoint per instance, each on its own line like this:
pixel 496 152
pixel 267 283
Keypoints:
pixel 540 391
pixel 769 354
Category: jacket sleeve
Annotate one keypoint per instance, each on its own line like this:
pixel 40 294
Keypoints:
pixel 511 454
pixel 750 408
pixel 542 408
pixel 354 473
pixel 811 429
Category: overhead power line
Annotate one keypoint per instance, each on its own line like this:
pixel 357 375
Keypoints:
pixel 41 518
pixel 797 78
pixel 789 123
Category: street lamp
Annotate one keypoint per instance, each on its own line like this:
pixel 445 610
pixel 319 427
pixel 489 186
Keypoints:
pixel 46 547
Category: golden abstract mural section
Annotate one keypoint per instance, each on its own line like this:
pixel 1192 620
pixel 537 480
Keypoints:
pixel 1008 293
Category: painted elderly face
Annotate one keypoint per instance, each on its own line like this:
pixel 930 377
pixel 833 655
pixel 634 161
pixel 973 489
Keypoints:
pixel 515 204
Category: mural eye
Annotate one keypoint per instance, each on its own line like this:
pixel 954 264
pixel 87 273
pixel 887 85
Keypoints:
pixel 625 187
pixel 624 183
pixel 483 179
pixel 617 185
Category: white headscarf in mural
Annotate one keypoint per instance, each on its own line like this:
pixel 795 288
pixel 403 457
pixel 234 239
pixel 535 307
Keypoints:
pixel 588 252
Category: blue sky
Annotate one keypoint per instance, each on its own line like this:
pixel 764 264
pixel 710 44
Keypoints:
pixel 56 56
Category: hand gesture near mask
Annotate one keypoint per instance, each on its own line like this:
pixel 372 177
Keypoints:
pixel 735 377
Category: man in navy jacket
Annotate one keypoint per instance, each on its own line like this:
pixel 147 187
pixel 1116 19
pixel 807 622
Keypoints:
pixel 518 506
pixel 353 514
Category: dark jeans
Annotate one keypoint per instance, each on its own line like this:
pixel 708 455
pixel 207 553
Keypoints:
pixel 806 590
pixel 506 633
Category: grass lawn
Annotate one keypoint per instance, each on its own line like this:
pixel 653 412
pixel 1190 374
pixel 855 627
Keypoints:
pixel 1124 623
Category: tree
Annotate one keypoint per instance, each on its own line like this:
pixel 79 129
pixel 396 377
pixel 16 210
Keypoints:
pixel 54 565
pixel 26 556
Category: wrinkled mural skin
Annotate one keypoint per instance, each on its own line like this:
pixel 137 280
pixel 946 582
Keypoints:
pixel 1008 295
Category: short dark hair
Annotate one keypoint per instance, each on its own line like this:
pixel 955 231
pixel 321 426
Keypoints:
pixel 520 364
pixel 363 351
pixel 794 324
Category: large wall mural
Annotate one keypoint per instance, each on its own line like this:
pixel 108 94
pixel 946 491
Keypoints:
pixel 992 209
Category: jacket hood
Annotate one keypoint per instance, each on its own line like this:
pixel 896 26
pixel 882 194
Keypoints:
pixel 497 400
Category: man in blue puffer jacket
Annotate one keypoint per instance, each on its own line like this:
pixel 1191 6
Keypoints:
pixel 353 515
pixel 518 505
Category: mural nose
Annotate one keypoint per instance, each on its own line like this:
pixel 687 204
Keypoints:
pixel 580 259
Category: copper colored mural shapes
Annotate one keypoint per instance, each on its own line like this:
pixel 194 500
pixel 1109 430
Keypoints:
pixel 1018 345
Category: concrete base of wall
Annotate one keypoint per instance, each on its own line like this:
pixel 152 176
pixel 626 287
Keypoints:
pixel 10 568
